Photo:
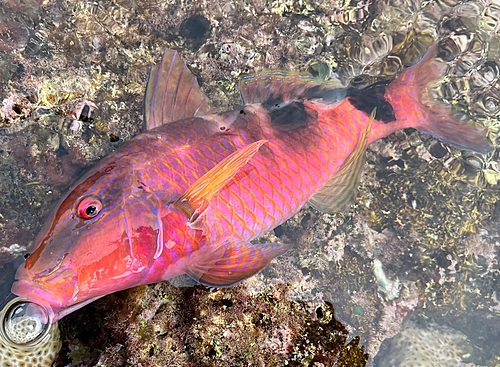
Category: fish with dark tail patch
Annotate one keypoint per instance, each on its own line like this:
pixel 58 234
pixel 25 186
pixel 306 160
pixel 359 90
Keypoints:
pixel 190 193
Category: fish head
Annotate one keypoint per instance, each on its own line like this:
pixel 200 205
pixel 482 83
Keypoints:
pixel 98 240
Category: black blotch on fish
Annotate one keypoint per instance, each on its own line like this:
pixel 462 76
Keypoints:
pixel 333 95
pixel 289 116
pixel 319 313
pixel 371 97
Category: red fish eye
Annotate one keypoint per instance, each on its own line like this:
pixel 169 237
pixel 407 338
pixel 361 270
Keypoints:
pixel 89 207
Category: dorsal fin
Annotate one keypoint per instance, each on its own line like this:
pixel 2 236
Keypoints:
pixel 338 192
pixel 172 93
pixel 288 86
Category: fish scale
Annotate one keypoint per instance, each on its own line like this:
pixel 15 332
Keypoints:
pixel 284 194
pixel 232 209
pixel 190 192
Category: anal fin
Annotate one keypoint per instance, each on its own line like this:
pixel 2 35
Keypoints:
pixel 234 262
pixel 341 188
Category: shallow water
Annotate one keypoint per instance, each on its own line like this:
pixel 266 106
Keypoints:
pixel 418 252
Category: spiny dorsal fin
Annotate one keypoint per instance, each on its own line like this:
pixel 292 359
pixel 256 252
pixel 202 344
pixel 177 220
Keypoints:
pixel 338 192
pixel 288 86
pixel 234 262
pixel 172 93
pixel 196 199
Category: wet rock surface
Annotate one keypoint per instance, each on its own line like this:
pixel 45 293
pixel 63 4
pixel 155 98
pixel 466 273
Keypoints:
pixel 420 243
pixel 154 326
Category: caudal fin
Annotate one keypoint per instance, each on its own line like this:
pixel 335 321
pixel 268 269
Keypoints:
pixel 414 106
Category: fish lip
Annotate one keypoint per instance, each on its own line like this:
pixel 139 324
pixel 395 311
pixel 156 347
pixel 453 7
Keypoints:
pixel 32 292
pixel 56 309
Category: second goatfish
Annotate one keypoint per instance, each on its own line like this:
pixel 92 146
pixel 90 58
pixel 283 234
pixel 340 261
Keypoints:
pixel 190 193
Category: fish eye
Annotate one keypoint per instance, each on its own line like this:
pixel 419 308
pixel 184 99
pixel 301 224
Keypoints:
pixel 89 207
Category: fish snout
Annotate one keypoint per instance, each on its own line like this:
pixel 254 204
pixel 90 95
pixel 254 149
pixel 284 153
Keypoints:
pixel 54 290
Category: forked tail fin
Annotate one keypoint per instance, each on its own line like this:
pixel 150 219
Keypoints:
pixel 415 107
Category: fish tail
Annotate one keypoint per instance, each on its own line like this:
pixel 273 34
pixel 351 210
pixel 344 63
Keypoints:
pixel 411 98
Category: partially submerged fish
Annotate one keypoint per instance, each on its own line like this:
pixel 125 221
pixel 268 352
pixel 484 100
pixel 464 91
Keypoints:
pixel 190 193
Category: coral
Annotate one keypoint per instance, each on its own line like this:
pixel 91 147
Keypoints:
pixel 432 345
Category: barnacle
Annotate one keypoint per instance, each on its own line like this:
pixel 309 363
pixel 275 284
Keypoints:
pixel 24 338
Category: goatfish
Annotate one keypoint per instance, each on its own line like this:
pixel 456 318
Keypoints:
pixel 190 193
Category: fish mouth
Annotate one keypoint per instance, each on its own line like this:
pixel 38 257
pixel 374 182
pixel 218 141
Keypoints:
pixel 33 292
pixel 56 305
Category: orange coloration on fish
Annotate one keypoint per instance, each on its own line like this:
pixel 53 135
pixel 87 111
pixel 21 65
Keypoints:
pixel 190 193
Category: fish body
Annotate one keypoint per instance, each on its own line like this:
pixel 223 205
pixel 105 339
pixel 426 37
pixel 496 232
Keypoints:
pixel 189 193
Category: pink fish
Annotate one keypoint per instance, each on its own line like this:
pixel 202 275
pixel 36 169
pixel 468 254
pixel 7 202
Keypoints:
pixel 190 193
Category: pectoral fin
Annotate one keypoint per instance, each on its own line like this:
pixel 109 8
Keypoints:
pixel 341 188
pixel 234 262
pixel 196 199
